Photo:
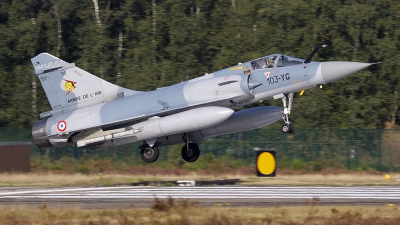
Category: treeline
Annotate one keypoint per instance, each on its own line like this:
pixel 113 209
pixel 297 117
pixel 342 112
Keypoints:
pixel 143 45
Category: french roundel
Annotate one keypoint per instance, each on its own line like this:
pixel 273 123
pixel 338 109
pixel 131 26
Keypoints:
pixel 62 125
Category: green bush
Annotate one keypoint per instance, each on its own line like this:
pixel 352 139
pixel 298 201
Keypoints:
pixel 82 169
pixel 299 164
pixel 319 164
pixel 175 157
pixel 57 166
pixel 284 162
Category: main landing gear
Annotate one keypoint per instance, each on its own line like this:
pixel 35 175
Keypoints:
pixel 287 106
pixel 149 154
pixel 190 151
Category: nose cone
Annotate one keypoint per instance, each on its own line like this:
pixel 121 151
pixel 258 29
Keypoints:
pixel 332 71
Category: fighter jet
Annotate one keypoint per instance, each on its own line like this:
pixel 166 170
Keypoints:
pixel 90 112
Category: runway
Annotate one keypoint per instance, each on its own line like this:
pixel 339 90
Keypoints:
pixel 129 196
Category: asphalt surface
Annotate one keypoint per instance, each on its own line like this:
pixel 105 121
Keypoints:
pixel 233 196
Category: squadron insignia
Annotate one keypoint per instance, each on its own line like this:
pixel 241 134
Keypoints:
pixel 69 86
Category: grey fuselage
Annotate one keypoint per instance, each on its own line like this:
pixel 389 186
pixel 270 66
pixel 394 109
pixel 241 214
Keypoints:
pixel 233 87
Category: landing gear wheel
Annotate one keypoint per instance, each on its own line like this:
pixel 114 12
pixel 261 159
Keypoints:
pixel 291 128
pixel 287 101
pixel 149 154
pixel 190 153
pixel 287 128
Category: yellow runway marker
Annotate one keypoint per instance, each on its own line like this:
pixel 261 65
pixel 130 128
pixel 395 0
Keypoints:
pixel 266 163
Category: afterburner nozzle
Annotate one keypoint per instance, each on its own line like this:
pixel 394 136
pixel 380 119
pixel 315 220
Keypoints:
pixel 332 71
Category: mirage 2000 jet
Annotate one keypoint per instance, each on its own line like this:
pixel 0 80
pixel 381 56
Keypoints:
pixel 92 113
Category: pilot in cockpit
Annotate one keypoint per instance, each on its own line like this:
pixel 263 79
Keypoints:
pixel 269 62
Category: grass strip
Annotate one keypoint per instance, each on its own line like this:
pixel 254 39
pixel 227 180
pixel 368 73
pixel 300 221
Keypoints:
pixel 78 179
pixel 185 212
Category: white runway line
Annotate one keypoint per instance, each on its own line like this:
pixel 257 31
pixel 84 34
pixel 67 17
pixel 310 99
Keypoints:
pixel 226 192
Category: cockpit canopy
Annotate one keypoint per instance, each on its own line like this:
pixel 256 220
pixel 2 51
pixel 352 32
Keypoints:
pixel 276 60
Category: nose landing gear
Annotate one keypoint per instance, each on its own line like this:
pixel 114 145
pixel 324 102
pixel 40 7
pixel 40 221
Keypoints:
pixel 287 128
pixel 287 100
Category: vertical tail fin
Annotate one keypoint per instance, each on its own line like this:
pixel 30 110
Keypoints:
pixel 68 87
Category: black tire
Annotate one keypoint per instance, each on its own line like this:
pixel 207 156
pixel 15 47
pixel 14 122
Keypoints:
pixel 149 154
pixel 291 128
pixel 286 128
pixel 190 154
